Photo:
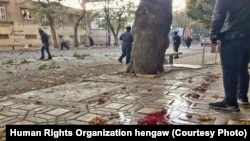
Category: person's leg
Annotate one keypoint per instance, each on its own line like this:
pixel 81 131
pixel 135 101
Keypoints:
pixel 177 49
pixel 48 52
pixel 128 53
pixel 42 52
pixel 61 45
pixel 123 53
pixel 243 75
pixel 231 52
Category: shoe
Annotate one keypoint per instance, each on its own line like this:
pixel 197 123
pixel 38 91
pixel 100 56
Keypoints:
pixel 49 58
pixel 120 60
pixel 243 101
pixel 41 58
pixel 223 106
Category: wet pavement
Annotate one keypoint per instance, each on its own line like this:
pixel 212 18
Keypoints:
pixel 179 96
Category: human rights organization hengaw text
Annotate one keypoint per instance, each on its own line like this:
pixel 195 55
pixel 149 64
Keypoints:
pixel 174 133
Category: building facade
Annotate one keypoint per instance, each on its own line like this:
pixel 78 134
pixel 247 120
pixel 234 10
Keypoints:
pixel 19 27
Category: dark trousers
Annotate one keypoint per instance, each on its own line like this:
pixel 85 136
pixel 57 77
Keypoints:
pixel 45 47
pixel 176 49
pixel 126 52
pixel 235 56
pixel 63 44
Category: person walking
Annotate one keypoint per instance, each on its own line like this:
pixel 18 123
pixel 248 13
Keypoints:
pixel 127 40
pixel 230 25
pixel 176 43
pixel 45 42
pixel 63 43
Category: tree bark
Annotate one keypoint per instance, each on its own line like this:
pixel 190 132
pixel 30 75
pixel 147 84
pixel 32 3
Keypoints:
pixel 151 28
pixel 76 29
pixel 53 31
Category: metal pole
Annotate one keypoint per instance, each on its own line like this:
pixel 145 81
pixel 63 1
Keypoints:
pixel 216 52
pixel 203 54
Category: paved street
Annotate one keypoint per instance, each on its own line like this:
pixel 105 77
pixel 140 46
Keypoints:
pixel 180 94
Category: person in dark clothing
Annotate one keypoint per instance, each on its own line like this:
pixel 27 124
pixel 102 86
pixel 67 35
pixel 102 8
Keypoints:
pixel 176 43
pixel 91 41
pixel 188 41
pixel 230 25
pixel 45 42
pixel 127 40
pixel 63 43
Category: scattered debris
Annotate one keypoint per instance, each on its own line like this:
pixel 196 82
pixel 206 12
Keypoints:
pixel 98 121
pixel 39 102
pixel 205 118
pixel 155 118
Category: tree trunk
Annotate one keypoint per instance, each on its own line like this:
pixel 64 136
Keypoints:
pixel 151 28
pixel 53 31
pixel 76 29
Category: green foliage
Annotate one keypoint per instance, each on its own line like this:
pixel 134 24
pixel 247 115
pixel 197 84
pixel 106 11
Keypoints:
pixel 78 56
pixel 52 65
pixel 49 12
pixel 10 61
pixel 200 11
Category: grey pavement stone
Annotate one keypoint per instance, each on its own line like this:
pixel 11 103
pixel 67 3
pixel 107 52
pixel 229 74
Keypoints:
pixel 75 122
pixel 71 115
pixel 30 107
pixel 87 117
pixel 24 123
pixel 103 111
pixel 36 120
pixel 57 112
pixel 147 110
pixel 125 108
pixel 115 106
pixel 8 113
pixel 19 111
pixel 220 121
pixel 6 103
pixel 46 116
pixel 2 117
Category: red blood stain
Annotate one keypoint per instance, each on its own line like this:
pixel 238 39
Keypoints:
pixel 204 86
pixel 155 118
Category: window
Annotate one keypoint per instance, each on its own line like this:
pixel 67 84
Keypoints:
pixel 30 36
pixel 26 14
pixel 2 12
pixel 4 36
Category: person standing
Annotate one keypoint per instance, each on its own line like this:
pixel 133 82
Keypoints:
pixel 176 43
pixel 230 25
pixel 63 43
pixel 188 41
pixel 45 42
pixel 127 40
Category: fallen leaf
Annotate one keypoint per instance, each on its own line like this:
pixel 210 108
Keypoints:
pixel 76 112
pixel 2 133
pixel 188 115
pixel 98 121
pixel 34 80
pixel 205 118
pixel 217 96
pixel 123 87
pixel 105 93
pixel 149 90
pixel 39 102
pixel 101 101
